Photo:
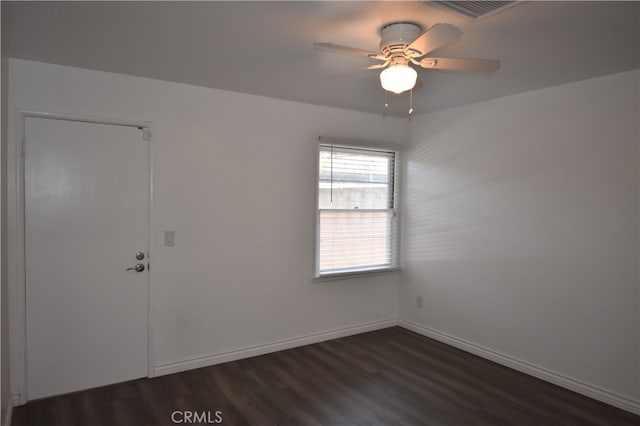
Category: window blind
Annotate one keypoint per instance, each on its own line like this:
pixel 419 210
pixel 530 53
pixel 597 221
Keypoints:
pixel 357 220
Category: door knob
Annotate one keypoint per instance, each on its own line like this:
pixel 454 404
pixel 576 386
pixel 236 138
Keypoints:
pixel 138 268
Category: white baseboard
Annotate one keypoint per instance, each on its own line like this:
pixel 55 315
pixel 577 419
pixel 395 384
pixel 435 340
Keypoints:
pixel 578 386
pixel 18 399
pixel 279 345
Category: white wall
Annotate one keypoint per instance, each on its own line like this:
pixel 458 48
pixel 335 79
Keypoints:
pixel 234 177
pixel 521 229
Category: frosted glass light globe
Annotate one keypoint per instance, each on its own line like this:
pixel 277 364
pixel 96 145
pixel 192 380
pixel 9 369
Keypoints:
pixel 398 78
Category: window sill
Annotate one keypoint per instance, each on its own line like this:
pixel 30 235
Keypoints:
pixel 349 275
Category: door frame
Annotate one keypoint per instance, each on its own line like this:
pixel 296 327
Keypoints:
pixel 17 285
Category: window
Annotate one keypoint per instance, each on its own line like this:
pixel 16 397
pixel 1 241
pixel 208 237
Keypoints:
pixel 357 220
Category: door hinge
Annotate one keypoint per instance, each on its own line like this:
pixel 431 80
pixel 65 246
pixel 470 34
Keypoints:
pixel 22 148
pixel 146 133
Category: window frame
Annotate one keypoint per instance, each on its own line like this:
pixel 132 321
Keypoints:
pixel 395 187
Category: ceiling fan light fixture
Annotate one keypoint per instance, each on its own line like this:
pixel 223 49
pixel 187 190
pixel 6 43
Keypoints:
pixel 398 78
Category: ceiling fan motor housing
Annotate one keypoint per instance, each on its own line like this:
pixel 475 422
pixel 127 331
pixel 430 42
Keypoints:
pixel 396 37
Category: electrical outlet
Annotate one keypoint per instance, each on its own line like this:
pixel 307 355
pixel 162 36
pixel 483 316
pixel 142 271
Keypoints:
pixel 419 301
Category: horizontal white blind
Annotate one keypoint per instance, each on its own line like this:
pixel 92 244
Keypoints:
pixel 356 201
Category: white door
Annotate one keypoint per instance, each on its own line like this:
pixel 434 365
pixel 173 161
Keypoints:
pixel 86 217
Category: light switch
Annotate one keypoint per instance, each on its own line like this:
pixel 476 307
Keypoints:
pixel 169 238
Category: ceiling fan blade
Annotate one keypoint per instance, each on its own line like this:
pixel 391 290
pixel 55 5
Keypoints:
pixel 349 50
pixel 354 71
pixel 377 66
pixel 460 64
pixel 434 38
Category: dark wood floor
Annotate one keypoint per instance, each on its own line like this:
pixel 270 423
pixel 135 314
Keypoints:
pixel 386 377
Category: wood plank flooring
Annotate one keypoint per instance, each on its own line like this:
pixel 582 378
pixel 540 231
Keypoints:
pixel 385 377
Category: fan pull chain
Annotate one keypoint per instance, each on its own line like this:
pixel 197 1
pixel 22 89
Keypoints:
pixel 386 102
pixel 411 102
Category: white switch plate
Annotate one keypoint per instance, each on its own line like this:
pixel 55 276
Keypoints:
pixel 169 238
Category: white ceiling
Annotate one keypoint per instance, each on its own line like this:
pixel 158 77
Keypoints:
pixel 265 48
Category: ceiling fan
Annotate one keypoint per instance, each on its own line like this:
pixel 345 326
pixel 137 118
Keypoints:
pixel 403 44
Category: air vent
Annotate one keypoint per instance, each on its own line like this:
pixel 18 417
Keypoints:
pixel 476 9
